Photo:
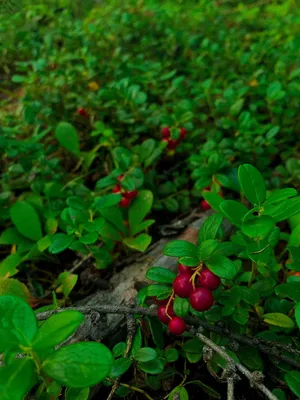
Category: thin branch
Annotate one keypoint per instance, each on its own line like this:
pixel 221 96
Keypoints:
pixel 267 347
pixel 230 388
pixel 131 329
pixel 254 380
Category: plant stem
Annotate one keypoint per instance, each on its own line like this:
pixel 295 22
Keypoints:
pixel 253 271
pixel 136 389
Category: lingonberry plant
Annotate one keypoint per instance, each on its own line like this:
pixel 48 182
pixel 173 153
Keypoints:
pixel 243 282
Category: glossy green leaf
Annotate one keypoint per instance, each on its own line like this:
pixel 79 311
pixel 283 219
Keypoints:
pixel 213 199
pixel 179 393
pixel 252 184
pixel 284 210
pixel 140 207
pixel 210 228
pixel 297 314
pixel 251 358
pixel 145 354
pixel 67 282
pixel 12 236
pixel 140 242
pixel 292 378
pixel 60 242
pixel 290 290
pixel 278 319
pixel 161 275
pixel 79 365
pixel 26 220
pixel 257 226
pixel 206 249
pixel 57 328
pixel 281 194
pixel 156 331
pixel 8 267
pixel 222 266
pixel 180 248
pixel 17 378
pixel 77 394
pixel 171 355
pixel 154 367
pixel 189 261
pixel 18 319
pixel 68 138
pixel 233 211
pixel 120 366
pixel 109 200
pixel 181 307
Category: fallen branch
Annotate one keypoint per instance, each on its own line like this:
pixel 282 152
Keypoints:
pixel 254 379
pixel 269 348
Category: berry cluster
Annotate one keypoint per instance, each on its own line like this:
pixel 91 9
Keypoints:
pixel 197 285
pixel 172 143
pixel 127 196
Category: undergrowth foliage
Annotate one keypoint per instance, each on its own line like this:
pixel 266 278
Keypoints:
pixel 116 118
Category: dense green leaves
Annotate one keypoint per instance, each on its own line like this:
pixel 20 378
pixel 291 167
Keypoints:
pixel 79 365
pixel 292 378
pixel 222 266
pixel 233 211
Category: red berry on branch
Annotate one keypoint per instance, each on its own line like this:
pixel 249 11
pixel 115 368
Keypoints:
pixel 201 299
pixel 208 280
pixel 82 112
pixel 177 326
pixel 183 133
pixel 131 195
pixel 116 189
pixel 182 285
pixel 172 144
pixel 124 203
pixel 183 269
pixel 165 132
pixel 162 313
pixel 204 205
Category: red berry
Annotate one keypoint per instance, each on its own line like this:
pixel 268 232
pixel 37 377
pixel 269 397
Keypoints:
pixel 177 326
pixel 183 269
pixel 201 299
pixel 131 195
pixel 165 132
pixel 183 133
pixel 182 285
pixel 172 144
pixel 120 177
pixel 162 315
pixel 209 280
pixel 204 205
pixel 116 189
pixel 124 203
pixel 81 111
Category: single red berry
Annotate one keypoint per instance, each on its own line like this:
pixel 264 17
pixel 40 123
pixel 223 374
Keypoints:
pixel 165 132
pixel 183 133
pixel 116 189
pixel 204 205
pixel 131 195
pixel 172 144
pixel 120 177
pixel 209 280
pixel 183 269
pixel 177 326
pixel 182 285
pixel 124 203
pixel 81 111
pixel 162 313
pixel 201 299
